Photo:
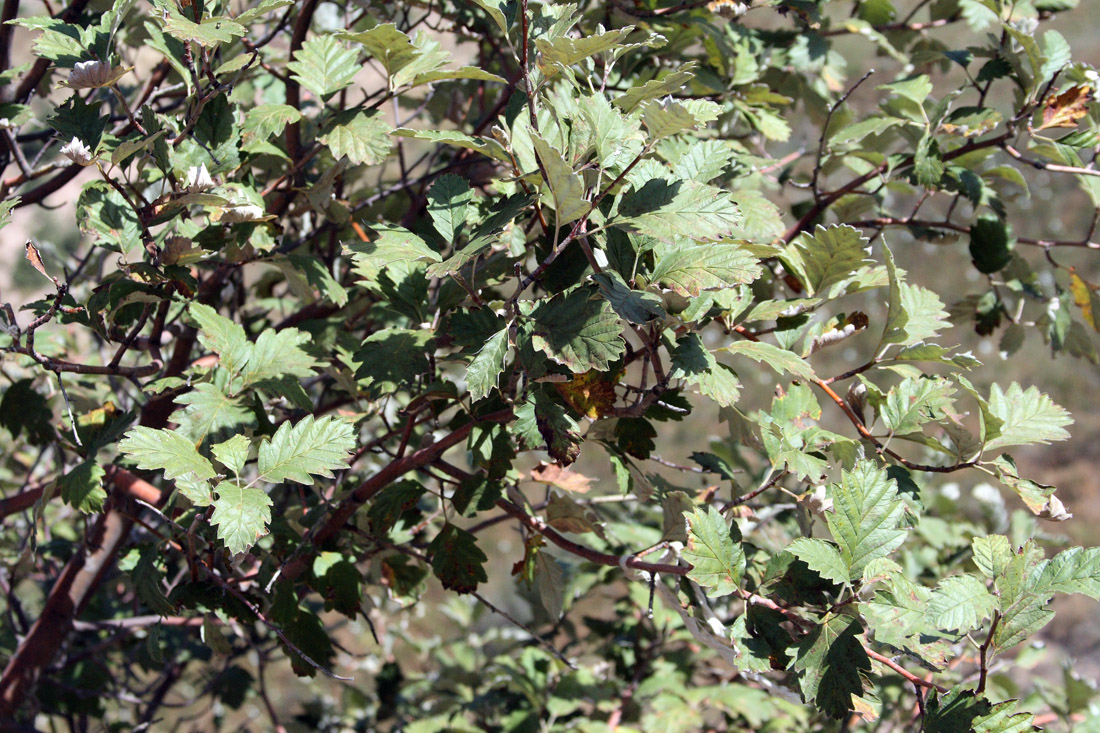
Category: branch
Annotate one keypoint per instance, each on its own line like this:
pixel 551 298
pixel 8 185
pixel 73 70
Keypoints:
pixel 41 66
pixel 600 558
pixel 983 653
pixel 909 676
pixel 883 450
pixel 84 573
pixel 887 221
pixel 332 526
pixel 1044 166
pixel 293 89
pixel 913 27
pixel 124 481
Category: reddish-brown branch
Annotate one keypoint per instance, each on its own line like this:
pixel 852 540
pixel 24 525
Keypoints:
pixel 866 434
pixel 20 502
pixel 395 470
pixel 909 676
pixel 68 597
pixel 123 480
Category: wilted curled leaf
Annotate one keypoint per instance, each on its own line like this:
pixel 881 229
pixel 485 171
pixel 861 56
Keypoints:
pixel 36 259
pixel 1067 108
pixel 94 75
pixel 563 478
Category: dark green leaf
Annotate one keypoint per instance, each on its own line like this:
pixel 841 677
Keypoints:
pixel 578 330
pixel 714 551
pixel 832 665
pixel 457 560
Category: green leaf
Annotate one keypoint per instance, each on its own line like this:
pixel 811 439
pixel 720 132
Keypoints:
pixel 914 88
pixel 832 664
pixel 76 118
pixel 1076 570
pixel 954 711
pixel 308 448
pixel 261 9
pixel 486 146
pixel 390 503
pixel 781 360
pixel 566 187
pixel 457 560
pixel 232 453
pixel 760 218
pixel 564 52
pixel 389 47
pixel 323 66
pixel 960 603
pixel 82 487
pixel 362 137
pixel 391 245
pixel 339 582
pixel 1022 621
pixel 714 551
pixel 485 369
pixel 103 212
pixel 665 118
pixel 915 402
pixel 241 514
pixel 578 331
pixel 633 305
pixel 990 244
pixel 992 554
pixel 165 450
pixel 693 363
pixel 277 354
pixel 1027 416
pixel 655 88
pixel 25 408
pixel 393 359
pixel 867 512
pixel 1003 718
pixel 463 72
pixel 678 210
pixel 449 204
pixel 6 208
pixel 914 314
pixel 224 337
pixel 486 235
pixel 822 557
pixel 147 579
pixel 60 41
pixel 500 12
pixel 210 33
pixel 928 162
pixel 305 274
pixel 267 120
pixel 130 147
pixel 826 257
pixel 208 411
pixel 692 270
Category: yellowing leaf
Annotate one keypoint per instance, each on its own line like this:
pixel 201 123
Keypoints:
pixel 1084 295
pixel 1067 108
pixel 591 394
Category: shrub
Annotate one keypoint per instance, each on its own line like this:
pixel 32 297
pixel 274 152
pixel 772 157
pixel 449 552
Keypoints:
pixel 595 316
